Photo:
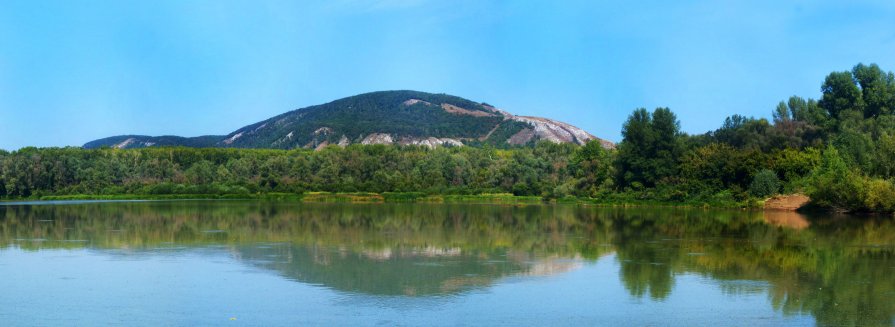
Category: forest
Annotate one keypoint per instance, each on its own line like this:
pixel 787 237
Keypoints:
pixel 838 149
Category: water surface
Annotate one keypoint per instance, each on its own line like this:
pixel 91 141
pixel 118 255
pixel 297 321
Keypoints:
pixel 277 263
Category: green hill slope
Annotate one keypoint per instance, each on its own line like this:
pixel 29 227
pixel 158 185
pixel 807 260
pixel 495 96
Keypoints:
pixel 386 117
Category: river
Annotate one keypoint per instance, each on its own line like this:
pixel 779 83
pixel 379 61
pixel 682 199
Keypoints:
pixel 256 263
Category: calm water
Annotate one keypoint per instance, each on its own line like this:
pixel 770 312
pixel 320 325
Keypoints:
pixel 234 263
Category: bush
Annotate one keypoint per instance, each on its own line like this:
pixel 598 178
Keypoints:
pixel 764 184
pixel 834 185
pixel 880 195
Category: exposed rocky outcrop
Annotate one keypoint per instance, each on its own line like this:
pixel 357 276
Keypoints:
pixel 556 131
pixel 232 139
pixel 461 111
pixel 343 142
pixel 522 137
pixel 378 138
pixel 430 142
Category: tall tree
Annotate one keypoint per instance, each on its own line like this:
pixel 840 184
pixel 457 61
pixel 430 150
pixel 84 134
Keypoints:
pixel 876 89
pixel 840 93
pixel 781 114
pixel 666 149
pixel 649 149
pixel 592 165
pixel 634 150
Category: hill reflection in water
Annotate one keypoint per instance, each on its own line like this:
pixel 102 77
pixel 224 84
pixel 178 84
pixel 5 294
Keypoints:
pixel 837 269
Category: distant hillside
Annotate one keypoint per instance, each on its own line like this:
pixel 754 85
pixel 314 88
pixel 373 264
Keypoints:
pixel 387 117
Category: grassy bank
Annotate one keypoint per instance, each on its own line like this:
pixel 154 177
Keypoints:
pixel 628 200
pixel 324 197
pixel 260 196
pixel 614 200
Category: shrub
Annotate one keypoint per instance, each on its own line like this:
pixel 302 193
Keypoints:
pixel 834 185
pixel 880 195
pixel 764 184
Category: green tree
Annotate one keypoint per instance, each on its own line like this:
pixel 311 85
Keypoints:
pixel 650 148
pixel 635 150
pixel 764 184
pixel 793 164
pixel 782 113
pixel 877 89
pixel 667 147
pixel 857 149
pixel 885 156
pixel 840 93
pixel 833 184
pixel 591 164
pixel 201 173
pixel 807 111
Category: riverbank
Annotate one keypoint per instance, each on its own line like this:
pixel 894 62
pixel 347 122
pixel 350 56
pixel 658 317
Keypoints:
pixel 615 200
pixel 312 197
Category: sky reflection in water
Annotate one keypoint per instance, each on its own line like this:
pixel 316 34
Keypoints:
pixel 189 263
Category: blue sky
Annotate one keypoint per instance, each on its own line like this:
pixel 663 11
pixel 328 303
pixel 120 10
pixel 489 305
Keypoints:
pixel 73 71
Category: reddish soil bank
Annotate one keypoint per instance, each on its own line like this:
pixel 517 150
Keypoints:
pixel 790 202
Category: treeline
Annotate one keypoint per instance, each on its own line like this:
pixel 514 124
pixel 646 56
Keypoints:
pixel 840 150
pixel 540 170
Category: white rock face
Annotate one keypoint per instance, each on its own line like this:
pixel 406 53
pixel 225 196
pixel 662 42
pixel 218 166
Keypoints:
pixel 283 139
pixel 415 101
pixel 233 138
pixel 551 130
pixel 132 143
pixel 432 142
pixel 124 144
pixel 555 131
pixel 343 142
pixel 378 138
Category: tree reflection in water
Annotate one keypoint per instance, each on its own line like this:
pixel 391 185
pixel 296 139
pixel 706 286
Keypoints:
pixel 837 268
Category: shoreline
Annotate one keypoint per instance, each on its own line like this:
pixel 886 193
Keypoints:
pixel 395 197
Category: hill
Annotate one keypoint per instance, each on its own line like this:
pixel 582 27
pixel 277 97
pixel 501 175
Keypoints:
pixel 386 117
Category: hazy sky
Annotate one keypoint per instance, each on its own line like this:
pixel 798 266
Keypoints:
pixel 75 70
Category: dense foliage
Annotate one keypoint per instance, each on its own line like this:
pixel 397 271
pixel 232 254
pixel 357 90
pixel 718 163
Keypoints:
pixel 539 170
pixel 397 113
pixel 379 112
pixel 765 183
pixel 840 150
